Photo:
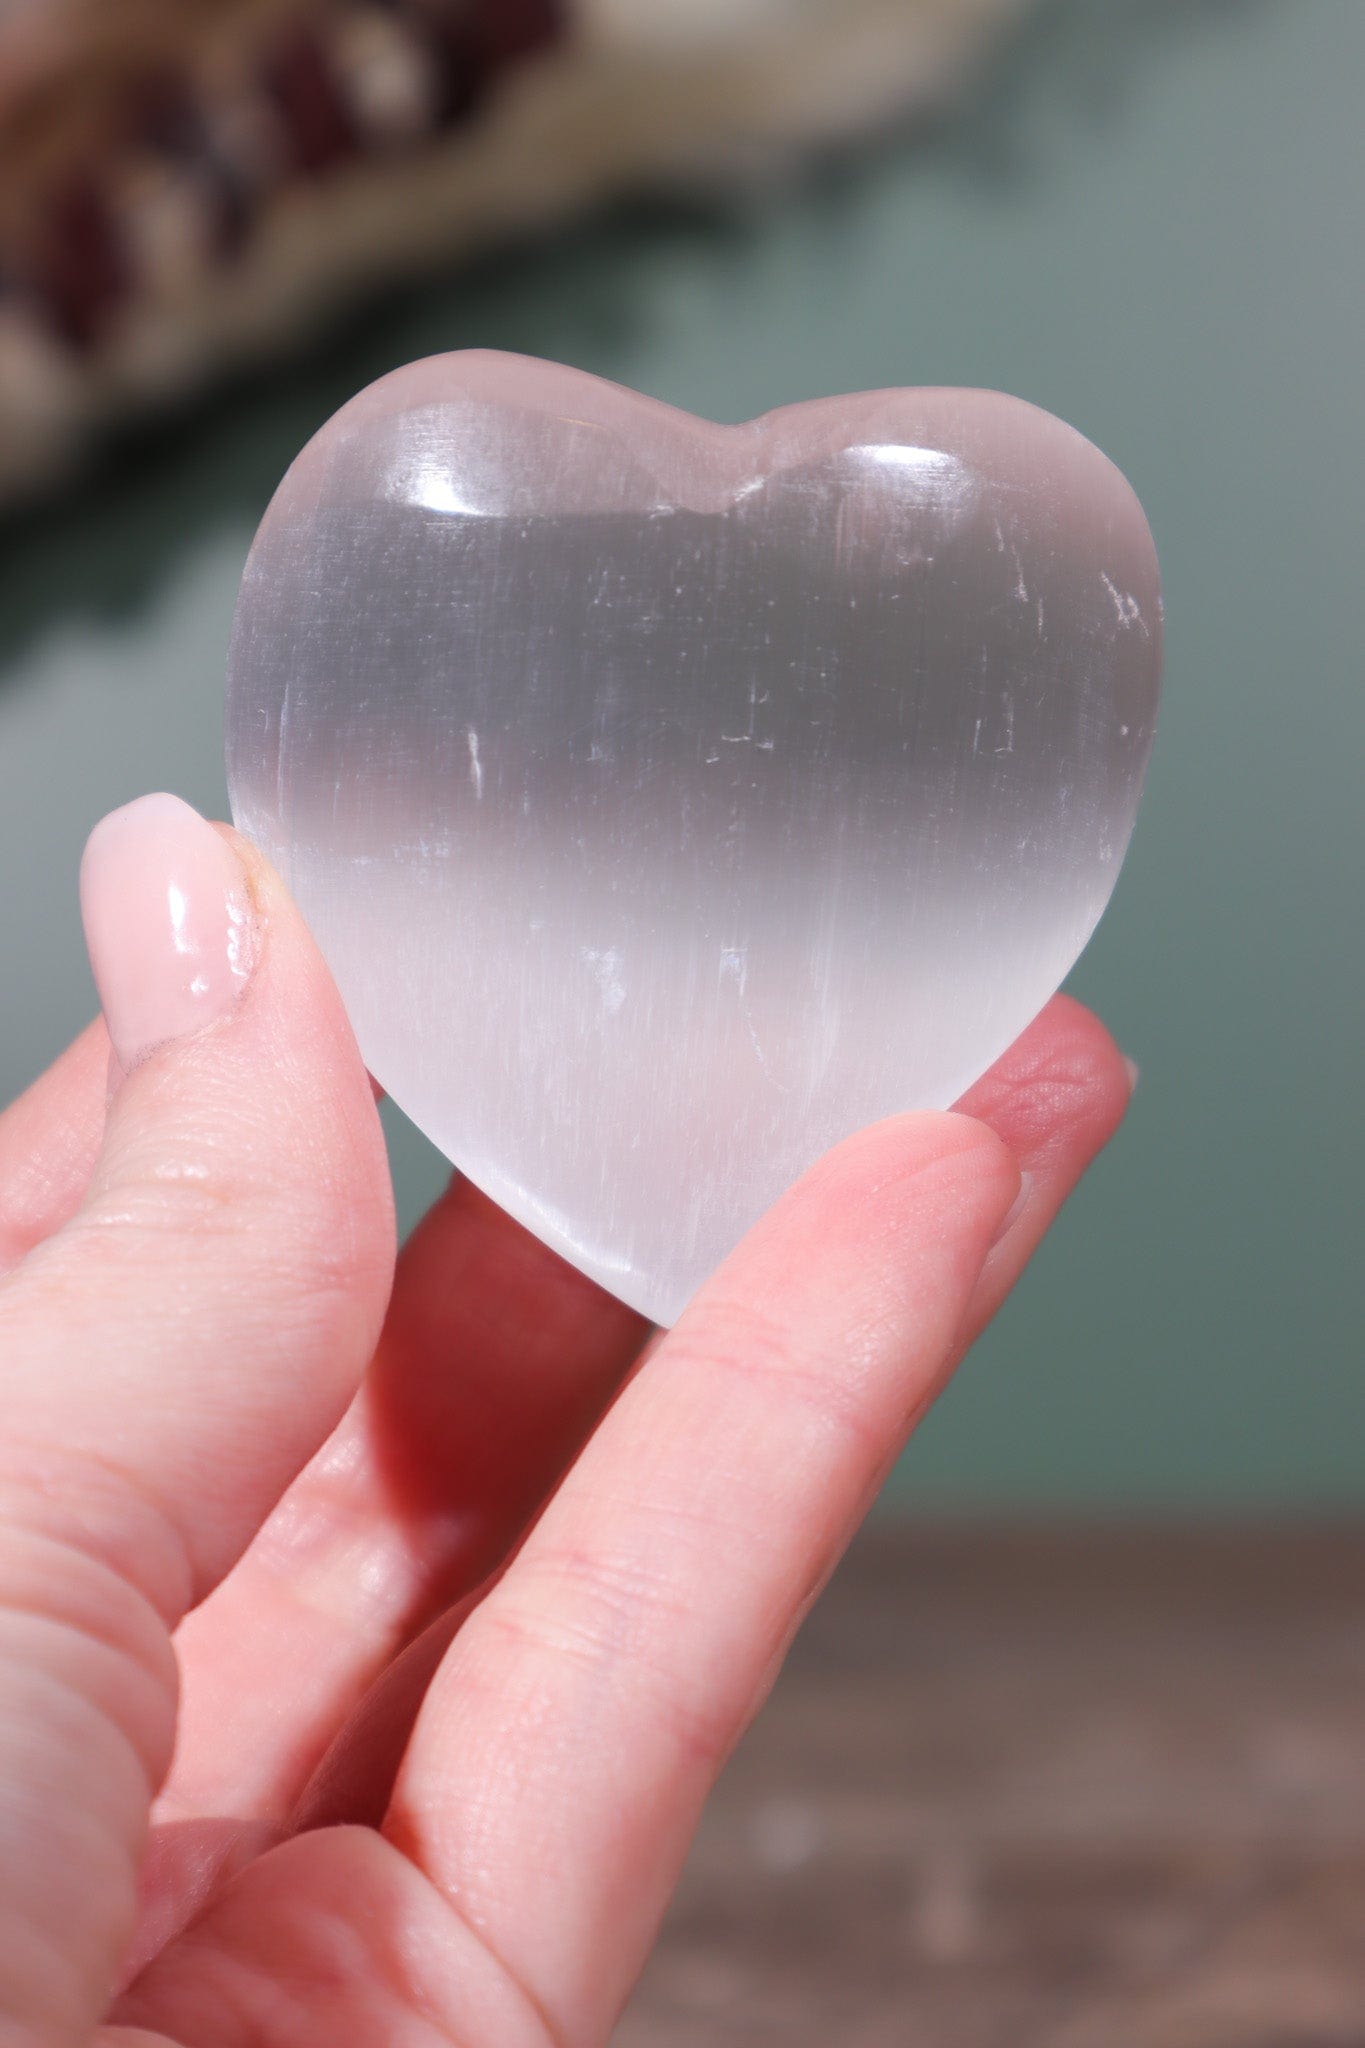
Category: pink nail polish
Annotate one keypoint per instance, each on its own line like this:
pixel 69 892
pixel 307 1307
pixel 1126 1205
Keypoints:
pixel 169 924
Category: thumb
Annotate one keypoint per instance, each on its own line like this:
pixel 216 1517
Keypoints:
pixel 173 1355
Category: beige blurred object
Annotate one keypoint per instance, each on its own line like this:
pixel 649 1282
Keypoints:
pixel 187 188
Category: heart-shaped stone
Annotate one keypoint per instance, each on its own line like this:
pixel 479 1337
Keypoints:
pixel 669 799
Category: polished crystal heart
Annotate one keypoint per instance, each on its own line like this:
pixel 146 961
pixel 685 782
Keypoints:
pixel 669 799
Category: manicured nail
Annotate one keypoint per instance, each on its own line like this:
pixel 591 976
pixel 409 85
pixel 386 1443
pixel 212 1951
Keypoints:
pixel 169 924
pixel 1134 1072
pixel 1015 1210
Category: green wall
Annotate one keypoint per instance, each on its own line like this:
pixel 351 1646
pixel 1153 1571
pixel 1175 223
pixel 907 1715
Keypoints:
pixel 1149 221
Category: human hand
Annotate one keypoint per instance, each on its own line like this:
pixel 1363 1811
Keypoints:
pixel 437 1754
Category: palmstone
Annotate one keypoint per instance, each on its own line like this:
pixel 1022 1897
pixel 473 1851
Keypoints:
pixel 669 799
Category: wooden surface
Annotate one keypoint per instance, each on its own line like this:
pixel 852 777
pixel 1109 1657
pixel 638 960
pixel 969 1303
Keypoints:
pixel 1095 1789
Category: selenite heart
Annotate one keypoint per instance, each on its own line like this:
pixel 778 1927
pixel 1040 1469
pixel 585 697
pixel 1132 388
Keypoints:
pixel 670 799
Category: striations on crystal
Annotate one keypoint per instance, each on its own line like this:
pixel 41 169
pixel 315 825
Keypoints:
pixel 670 799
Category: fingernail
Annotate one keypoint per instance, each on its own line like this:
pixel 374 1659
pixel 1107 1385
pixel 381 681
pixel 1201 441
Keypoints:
pixel 169 924
pixel 1134 1072
pixel 1015 1210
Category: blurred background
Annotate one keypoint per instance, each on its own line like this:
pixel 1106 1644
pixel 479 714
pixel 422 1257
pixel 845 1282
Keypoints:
pixel 1145 215
pixel 217 221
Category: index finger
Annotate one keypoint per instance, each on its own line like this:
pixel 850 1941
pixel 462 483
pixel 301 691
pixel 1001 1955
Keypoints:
pixel 564 1749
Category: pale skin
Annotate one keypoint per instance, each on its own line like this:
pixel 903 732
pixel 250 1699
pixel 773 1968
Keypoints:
pixel 372 1634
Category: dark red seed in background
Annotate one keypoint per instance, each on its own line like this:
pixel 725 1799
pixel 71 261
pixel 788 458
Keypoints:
pixel 507 29
pixel 461 69
pixel 163 112
pixel 303 87
pixel 81 270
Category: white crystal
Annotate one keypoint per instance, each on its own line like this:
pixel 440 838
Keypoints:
pixel 670 799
